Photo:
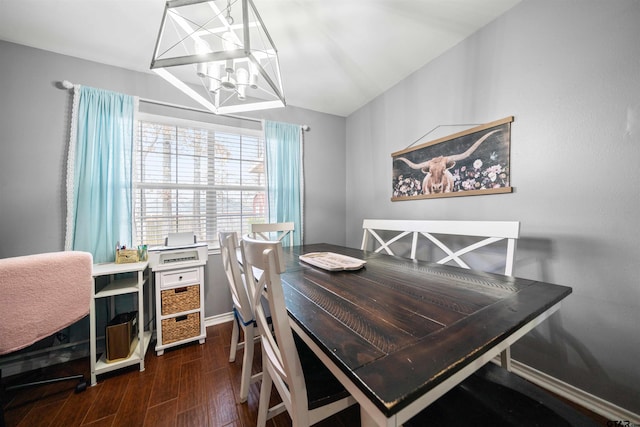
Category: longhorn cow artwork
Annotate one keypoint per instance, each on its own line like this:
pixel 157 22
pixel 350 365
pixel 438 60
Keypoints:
pixel 468 163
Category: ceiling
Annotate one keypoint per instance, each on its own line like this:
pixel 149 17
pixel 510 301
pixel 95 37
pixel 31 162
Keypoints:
pixel 335 55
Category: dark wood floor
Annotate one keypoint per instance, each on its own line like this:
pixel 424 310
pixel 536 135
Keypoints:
pixel 191 385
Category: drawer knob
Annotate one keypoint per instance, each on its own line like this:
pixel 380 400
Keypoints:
pixel 180 278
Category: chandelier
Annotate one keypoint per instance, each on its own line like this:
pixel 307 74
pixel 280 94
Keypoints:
pixel 220 54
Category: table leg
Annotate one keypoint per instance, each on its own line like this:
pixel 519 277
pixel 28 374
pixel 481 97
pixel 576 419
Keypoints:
pixel 366 420
pixel 505 359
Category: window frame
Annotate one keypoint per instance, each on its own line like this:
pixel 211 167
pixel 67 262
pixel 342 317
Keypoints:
pixel 213 245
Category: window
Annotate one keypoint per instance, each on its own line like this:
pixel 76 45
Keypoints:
pixel 193 176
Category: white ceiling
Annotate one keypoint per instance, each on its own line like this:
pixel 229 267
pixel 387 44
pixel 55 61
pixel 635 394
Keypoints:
pixel 335 55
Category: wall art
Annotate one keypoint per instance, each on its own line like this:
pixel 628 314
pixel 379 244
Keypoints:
pixel 468 163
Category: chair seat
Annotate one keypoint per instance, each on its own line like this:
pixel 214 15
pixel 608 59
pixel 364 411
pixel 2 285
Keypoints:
pixel 245 322
pixel 498 398
pixel 322 387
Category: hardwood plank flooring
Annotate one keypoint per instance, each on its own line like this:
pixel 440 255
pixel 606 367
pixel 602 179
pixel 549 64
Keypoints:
pixel 190 385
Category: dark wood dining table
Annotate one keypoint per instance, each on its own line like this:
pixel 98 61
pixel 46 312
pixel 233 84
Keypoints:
pixel 399 333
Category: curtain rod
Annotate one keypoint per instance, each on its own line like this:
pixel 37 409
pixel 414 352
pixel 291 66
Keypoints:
pixel 68 85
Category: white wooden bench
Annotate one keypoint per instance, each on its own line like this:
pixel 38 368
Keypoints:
pixel 435 232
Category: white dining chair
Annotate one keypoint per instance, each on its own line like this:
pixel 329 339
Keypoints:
pixel 243 312
pixel 274 231
pixel 309 392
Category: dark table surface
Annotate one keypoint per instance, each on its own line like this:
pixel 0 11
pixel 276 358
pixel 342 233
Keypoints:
pixel 398 327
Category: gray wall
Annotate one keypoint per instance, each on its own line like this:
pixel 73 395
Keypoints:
pixel 34 134
pixel 570 74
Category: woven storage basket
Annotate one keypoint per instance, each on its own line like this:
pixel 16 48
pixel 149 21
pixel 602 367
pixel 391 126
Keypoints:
pixel 180 299
pixel 124 256
pixel 180 328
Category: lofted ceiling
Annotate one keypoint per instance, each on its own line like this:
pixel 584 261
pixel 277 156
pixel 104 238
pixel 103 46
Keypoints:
pixel 335 55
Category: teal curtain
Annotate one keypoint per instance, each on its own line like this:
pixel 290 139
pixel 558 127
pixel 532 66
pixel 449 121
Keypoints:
pixel 285 192
pixel 99 182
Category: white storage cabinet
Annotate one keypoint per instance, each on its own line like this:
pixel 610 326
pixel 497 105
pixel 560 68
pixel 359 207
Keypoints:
pixel 179 305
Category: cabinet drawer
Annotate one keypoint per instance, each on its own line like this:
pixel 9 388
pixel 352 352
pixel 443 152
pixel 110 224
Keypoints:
pixel 178 278
pixel 180 328
pixel 180 299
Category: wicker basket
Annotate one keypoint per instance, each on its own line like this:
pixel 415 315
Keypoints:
pixel 180 328
pixel 124 256
pixel 180 299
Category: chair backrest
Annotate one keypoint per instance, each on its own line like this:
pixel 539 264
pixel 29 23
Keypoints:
pixel 240 293
pixel 482 233
pixel 266 257
pixel 278 229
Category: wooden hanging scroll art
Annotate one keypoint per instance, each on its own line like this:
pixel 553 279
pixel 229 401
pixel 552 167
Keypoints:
pixel 468 163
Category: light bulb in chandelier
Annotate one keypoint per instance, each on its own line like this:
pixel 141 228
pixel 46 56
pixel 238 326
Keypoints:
pixel 243 80
pixel 228 66
pixel 201 47
pixel 201 69
pixel 213 83
pixel 228 42
pixel 253 75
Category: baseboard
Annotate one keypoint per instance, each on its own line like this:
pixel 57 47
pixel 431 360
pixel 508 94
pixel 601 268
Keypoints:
pixel 218 319
pixel 580 397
